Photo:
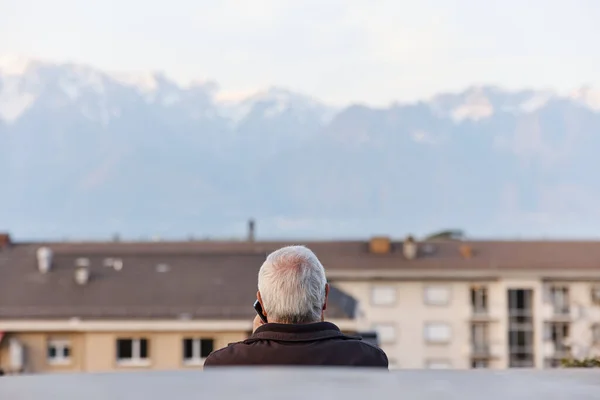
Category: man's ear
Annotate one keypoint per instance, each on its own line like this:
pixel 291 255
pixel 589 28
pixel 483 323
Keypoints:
pixel 326 296
pixel 261 303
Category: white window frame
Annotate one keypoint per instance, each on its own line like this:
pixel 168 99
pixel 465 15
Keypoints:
pixel 197 358
pixel 59 346
pixel 430 302
pixel 376 327
pixel 136 348
pixel 480 305
pixel 433 341
pixel 429 364
pixel 392 302
pixel 560 299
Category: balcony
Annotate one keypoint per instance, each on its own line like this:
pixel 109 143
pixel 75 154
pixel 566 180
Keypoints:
pixel 484 351
pixel 559 313
pixel 556 351
pixel 480 350
pixel 479 314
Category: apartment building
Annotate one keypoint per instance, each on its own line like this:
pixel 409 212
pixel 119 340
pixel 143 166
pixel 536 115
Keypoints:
pixel 458 304
pixel 165 305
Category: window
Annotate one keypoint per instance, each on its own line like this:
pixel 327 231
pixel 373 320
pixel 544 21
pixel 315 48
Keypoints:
pixel 385 332
pixel 437 295
pixel 383 295
pixel 520 328
pixel 479 338
pixel 59 351
pixel 132 351
pixel 480 364
pixel 195 350
pixel 560 299
pixel 437 332
pixel 438 364
pixel 558 334
pixel 479 300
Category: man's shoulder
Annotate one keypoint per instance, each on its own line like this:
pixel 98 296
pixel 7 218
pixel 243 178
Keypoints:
pixel 222 356
pixel 367 348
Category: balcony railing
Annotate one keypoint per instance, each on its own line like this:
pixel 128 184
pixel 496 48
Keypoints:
pixel 481 350
pixel 480 311
pixel 561 310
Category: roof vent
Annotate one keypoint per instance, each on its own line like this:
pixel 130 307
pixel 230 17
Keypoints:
pixel 82 275
pixel 380 245
pixel 108 262
pixel 82 262
pixel 410 248
pixel 44 259
pixel 117 264
pixel 162 268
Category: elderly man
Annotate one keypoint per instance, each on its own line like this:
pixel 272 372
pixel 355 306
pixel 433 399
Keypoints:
pixel 293 290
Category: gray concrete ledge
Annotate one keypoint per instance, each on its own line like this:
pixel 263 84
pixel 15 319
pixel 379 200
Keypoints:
pixel 291 384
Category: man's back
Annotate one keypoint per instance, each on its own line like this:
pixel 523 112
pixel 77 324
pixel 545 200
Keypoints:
pixel 317 344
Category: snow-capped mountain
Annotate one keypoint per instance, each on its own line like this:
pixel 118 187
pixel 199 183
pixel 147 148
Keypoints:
pixel 87 153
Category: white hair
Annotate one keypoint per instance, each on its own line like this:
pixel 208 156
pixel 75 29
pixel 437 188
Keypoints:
pixel 292 283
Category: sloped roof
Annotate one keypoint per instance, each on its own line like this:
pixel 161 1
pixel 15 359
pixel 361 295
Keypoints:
pixel 212 279
pixel 150 285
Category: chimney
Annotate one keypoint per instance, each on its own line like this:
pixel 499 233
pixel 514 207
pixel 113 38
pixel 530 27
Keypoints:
pixel 82 275
pixel 44 259
pixel 251 230
pixel 4 240
pixel 380 245
pixel 410 248
pixel 466 251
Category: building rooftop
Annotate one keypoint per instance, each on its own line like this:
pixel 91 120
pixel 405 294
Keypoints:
pixel 217 279
pixel 135 282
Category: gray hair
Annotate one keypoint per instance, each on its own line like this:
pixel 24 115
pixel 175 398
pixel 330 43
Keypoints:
pixel 292 283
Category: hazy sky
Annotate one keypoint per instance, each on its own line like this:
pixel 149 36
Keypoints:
pixel 373 51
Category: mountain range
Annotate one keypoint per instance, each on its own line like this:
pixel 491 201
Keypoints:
pixel 88 154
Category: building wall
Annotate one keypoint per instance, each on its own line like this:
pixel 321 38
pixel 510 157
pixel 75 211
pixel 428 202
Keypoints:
pixel 96 351
pixel 410 313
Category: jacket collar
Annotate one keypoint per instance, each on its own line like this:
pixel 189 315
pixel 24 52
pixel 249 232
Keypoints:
pixel 298 332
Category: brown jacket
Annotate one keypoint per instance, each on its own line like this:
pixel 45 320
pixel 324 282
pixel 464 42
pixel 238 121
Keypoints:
pixel 318 344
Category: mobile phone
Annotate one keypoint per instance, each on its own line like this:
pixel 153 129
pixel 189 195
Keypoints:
pixel 259 311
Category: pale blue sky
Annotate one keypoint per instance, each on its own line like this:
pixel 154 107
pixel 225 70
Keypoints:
pixel 373 51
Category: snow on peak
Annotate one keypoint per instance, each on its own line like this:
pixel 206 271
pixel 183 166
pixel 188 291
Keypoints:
pixel 146 82
pixel 587 96
pixel 11 64
pixel 270 103
pixel 537 101
pixel 475 106
pixel 15 96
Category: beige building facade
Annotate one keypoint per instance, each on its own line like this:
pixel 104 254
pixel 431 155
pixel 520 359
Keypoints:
pixel 109 346
pixel 515 320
